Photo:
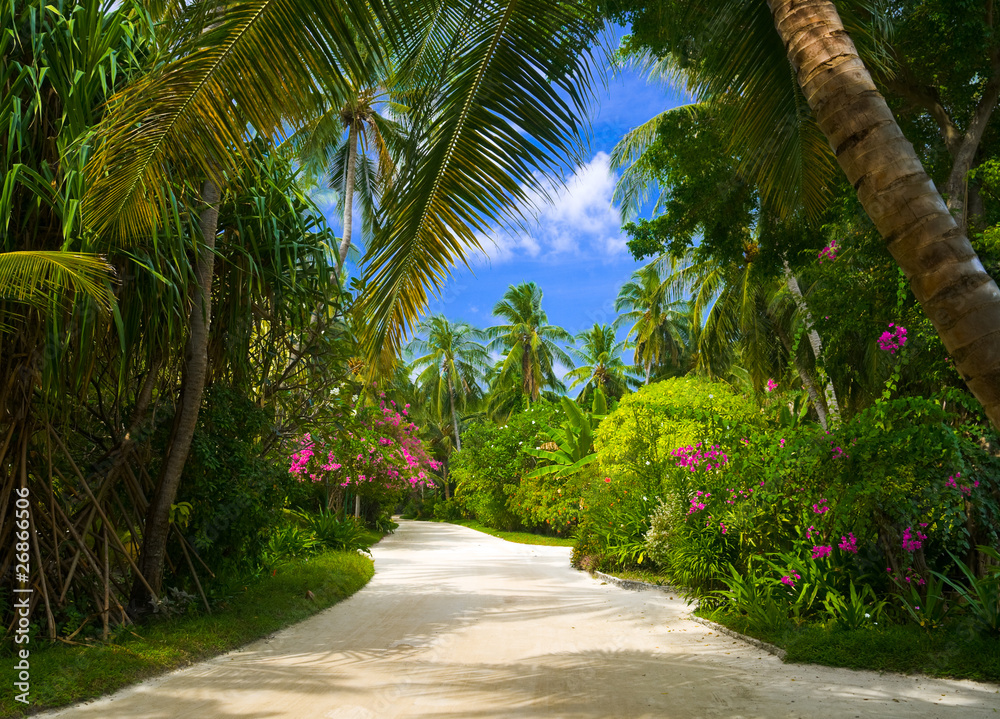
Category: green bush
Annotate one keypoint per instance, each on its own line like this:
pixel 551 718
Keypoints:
pixel 663 525
pixel 638 437
pixel 489 467
pixel 332 532
pixel 231 485
pixel 447 511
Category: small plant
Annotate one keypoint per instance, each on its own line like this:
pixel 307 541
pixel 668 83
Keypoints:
pixel 384 524
pixel 857 610
pixel 981 594
pixel 757 599
pixel 173 602
pixel 334 533
pixel 930 610
pixel 290 541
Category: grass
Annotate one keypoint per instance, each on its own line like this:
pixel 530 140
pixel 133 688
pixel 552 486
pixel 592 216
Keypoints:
pixel 954 651
pixel 516 537
pixel 62 674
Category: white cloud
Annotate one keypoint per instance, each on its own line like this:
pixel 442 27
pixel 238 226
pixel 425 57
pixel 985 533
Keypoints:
pixel 577 220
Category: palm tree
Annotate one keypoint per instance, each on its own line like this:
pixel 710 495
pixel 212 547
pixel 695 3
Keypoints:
pixel 744 65
pixel 227 72
pixel 660 329
pixel 452 365
pixel 355 147
pixel 737 312
pixel 528 341
pixel 601 364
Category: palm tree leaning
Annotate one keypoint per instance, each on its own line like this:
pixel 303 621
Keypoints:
pixel 528 341
pixel 452 364
pixel 744 65
pixel 601 365
pixel 945 274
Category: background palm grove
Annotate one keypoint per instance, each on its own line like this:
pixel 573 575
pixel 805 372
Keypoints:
pixel 794 415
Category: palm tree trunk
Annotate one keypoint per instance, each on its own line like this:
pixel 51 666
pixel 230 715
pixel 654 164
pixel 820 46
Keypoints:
pixel 157 525
pixel 807 379
pixel 832 404
pixel 352 158
pixel 946 276
pixel 454 414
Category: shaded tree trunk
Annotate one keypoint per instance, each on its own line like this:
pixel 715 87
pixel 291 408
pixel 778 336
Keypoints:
pixel 831 404
pixel 352 157
pixel 807 379
pixel 945 275
pixel 157 525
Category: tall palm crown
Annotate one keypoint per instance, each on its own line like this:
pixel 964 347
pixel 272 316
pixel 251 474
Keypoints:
pixel 660 328
pixel 354 147
pixel 528 340
pixel 602 365
pixel 452 362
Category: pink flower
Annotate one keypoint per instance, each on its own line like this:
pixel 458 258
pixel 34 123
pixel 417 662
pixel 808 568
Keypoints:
pixel 894 340
pixel 771 385
pixel 829 252
pixel 912 541
pixel 819 552
pixel 849 543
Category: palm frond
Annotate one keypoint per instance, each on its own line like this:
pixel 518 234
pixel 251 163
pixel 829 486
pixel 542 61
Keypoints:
pixel 512 82
pixel 257 68
pixel 38 278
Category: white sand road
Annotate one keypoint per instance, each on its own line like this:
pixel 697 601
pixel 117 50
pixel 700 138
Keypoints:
pixel 461 625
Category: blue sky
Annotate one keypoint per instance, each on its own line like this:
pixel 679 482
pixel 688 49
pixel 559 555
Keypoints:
pixel 575 251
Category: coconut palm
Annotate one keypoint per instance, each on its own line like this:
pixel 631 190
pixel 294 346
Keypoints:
pixel 838 114
pixel 354 147
pixel 528 341
pixel 737 312
pixel 601 365
pixel 451 362
pixel 659 330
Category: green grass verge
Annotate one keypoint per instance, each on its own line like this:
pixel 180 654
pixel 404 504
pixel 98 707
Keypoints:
pixel 517 537
pixel 63 674
pixel 955 652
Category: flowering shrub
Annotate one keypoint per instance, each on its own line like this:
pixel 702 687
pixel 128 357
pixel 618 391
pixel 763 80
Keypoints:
pixel 829 252
pixel 378 456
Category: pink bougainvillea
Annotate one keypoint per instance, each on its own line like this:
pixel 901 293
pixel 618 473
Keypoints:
pixel 892 339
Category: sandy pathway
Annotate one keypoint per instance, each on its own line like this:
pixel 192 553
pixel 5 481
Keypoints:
pixel 462 625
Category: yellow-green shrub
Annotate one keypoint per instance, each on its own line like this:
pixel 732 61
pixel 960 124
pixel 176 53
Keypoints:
pixel 650 423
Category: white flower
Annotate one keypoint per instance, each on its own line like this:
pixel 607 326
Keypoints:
pixel 335 391
pixel 711 396
pixel 868 616
pixel 643 498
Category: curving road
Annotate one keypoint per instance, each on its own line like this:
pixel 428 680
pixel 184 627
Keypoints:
pixel 460 625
